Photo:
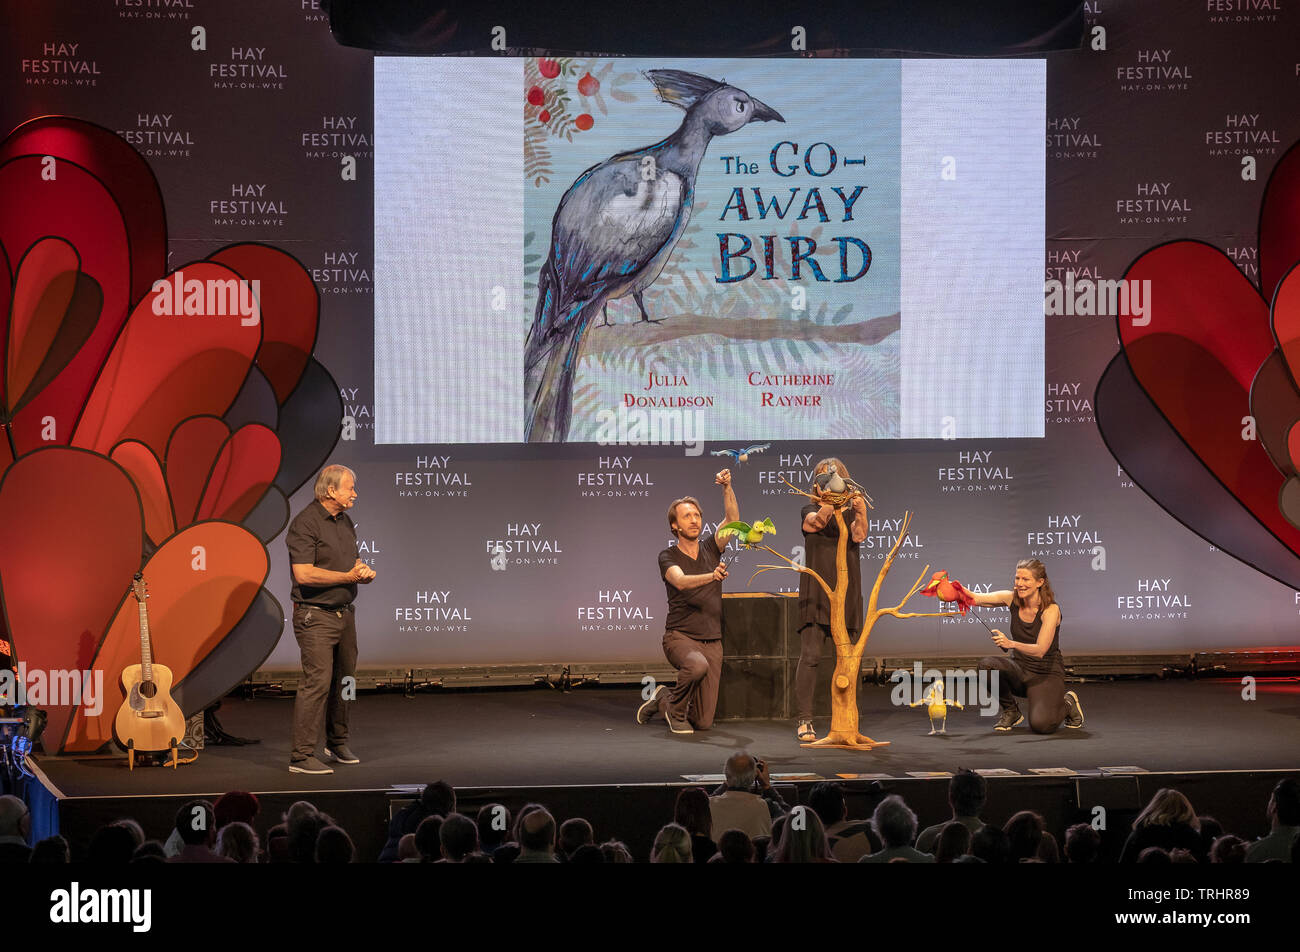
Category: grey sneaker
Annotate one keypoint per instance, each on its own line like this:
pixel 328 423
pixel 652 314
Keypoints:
pixel 1075 716
pixel 678 725
pixel 309 766
pixel 342 754
pixel 650 708
pixel 1011 716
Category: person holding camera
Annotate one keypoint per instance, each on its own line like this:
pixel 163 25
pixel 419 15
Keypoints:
pixel 747 801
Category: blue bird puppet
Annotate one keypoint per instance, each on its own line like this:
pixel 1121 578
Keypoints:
pixel 742 455
pixel 613 232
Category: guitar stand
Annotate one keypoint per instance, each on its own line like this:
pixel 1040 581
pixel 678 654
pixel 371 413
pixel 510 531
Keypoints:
pixel 130 754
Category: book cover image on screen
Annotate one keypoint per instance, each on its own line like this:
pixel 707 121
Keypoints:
pixel 705 250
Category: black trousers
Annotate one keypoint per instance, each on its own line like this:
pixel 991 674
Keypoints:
pixel 812 636
pixel 1045 693
pixel 328 640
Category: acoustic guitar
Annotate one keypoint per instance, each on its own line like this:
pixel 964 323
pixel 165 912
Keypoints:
pixel 149 720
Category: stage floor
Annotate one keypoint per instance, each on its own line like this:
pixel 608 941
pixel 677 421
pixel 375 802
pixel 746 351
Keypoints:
pixel 538 737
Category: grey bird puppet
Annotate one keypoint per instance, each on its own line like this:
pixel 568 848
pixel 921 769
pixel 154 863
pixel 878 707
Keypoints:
pixel 613 232
pixel 832 481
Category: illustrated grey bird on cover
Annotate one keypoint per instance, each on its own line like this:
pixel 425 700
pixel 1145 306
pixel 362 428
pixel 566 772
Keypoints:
pixel 613 232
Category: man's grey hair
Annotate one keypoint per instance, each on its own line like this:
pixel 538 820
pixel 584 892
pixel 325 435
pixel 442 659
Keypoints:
pixel 894 821
pixel 330 478
pixel 740 770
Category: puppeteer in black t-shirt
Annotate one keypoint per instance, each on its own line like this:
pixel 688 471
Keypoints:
pixel 698 611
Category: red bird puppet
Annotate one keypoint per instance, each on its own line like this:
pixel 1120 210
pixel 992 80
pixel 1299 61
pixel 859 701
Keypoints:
pixel 949 590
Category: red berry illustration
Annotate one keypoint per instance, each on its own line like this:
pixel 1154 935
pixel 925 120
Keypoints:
pixel 584 122
pixel 536 96
pixel 549 68
pixel 545 116
pixel 588 85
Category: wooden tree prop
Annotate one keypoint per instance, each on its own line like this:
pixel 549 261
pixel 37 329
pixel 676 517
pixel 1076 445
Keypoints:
pixel 844 732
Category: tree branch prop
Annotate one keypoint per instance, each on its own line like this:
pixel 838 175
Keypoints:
pixel 792 565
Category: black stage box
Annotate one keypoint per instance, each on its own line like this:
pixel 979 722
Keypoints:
pixel 760 652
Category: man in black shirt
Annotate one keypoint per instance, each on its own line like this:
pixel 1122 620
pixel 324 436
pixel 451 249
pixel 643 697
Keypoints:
pixel 692 571
pixel 323 560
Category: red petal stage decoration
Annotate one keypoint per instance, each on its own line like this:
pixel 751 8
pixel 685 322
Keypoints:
pixel 140 396
pixel 105 202
pixel 1275 404
pixel 241 475
pixel 1293 442
pixel 1279 223
pixel 290 309
pixel 1178 405
pixel 6 290
pixel 54 311
pixel 73 538
pixel 145 471
pixel 64 397
pixel 191 452
pixel 165 368
pixel 1286 322
pixel 123 176
pixel 1207 338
